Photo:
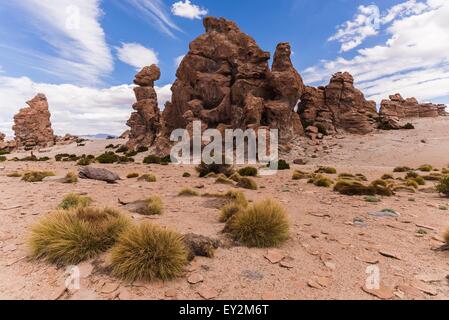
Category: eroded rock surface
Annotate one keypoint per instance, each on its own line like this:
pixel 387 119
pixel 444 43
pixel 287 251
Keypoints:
pixel 145 122
pixel 338 107
pixel 226 82
pixel 32 125
pixel 396 109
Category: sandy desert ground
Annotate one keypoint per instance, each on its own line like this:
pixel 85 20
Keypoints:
pixel 326 257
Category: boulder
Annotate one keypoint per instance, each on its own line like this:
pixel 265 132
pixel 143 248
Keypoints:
pixel 98 174
pixel 200 246
pixel 338 107
pixel 32 125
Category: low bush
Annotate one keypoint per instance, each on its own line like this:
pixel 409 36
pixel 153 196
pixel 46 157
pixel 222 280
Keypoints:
pixel 70 237
pixel 261 225
pixel 148 253
pixel 37 176
pixel 248 172
pixel 247 183
pixel 73 200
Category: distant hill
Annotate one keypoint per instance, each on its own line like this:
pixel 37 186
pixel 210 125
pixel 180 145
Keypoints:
pixel 99 136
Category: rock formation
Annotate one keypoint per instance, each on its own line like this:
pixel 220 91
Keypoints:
pixel 2 141
pixel 397 108
pixel 145 122
pixel 225 81
pixel 337 107
pixel 32 125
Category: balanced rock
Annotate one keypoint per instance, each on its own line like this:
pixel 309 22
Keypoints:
pixel 338 107
pixel 32 125
pixel 145 122
pixel 225 82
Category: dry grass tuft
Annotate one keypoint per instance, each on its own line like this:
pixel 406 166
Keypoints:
pixel 222 179
pixel 188 192
pixel 132 175
pixel 148 178
pixel 261 225
pixel 73 200
pixel 70 237
pixel 248 172
pixel 247 183
pixel 153 206
pixel 71 177
pixel 443 186
pixel 147 252
pixel 37 176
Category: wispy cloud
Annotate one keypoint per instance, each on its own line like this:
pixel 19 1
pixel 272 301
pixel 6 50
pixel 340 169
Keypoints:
pixel 156 12
pixel 412 61
pixel 137 55
pixel 72 29
pixel 368 21
pixel 187 9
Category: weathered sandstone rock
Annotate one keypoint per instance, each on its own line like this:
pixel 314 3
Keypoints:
pixel 338 107
pixel 225 81
pixel 32 125
pixel 145 122
pixel 397 108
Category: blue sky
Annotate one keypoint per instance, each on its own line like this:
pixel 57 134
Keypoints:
pixel 84 53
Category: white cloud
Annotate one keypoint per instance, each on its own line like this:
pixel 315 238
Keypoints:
pixel 187 9
pixel 74 109
pixel 412 61
pixel 73 30
pixel 154 11
pixel 137 55
pixel 178 60
pixel 368 21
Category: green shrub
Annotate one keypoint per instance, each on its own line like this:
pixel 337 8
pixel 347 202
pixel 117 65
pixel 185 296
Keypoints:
pixel 443 186
pixel 205 169
pixel 147 252
pixel 122 149
pixel 261 225
pixel 132 175
pixel 420 181
pixel 3 159
pixel 84 161
pixel 354 188
pixel 248 172
pixel 412 183
pixel 411 175
pixel 70 237
pixel 3 152
pixel 402 169
pixel 152 159
pixel 247 183
pixel 408 126
pixel 142 149
pixel 108 157
pixel 283 165
pixel 37 176
pixel 73 200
